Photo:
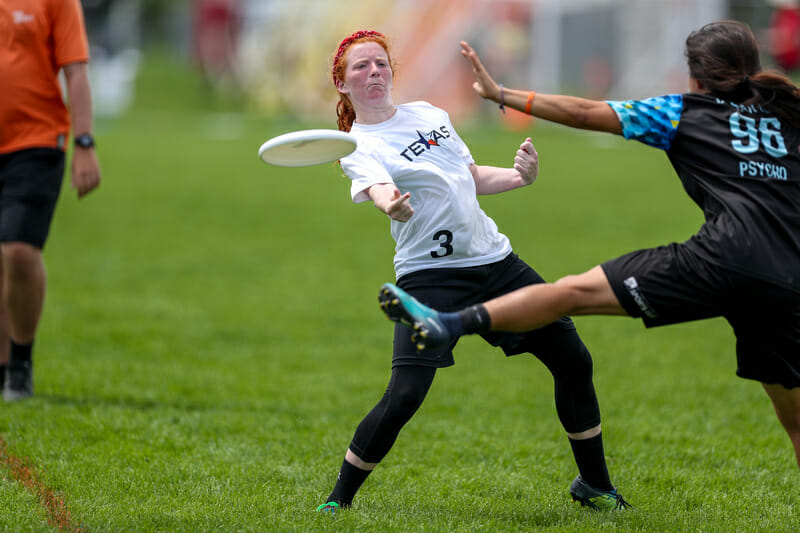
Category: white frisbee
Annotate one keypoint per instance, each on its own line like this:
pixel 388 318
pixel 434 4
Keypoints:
pixel 307 147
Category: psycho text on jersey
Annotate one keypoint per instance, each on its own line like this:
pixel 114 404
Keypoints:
pixel 757 169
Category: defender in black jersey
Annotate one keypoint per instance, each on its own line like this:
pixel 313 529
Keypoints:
pixel 734 141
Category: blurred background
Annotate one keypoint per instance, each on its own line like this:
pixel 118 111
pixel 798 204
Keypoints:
pixel 274 56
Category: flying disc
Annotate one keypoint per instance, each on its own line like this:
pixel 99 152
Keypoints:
pixel 307 147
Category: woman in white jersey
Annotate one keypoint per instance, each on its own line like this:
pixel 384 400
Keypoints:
pixel 413 166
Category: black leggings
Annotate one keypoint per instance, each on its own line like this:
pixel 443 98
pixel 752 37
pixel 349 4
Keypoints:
pixel 564 355
pixel 376 434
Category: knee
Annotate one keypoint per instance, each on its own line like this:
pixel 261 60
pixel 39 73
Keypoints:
pixel 578 363
pixel 582 361
pixel 567 357
pixel 19 258
pixel 404 401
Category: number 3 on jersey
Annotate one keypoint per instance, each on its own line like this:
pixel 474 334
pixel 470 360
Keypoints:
pixel 445 238
pixel 751 135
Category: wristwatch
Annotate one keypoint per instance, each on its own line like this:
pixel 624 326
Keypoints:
pixel 84 140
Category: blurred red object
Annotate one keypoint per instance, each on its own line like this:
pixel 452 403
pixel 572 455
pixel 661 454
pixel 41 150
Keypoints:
pixel 217 24
pixel 785 37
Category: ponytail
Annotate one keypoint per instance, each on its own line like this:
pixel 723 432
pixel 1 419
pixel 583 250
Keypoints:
pixel 345 114
pixel 776 92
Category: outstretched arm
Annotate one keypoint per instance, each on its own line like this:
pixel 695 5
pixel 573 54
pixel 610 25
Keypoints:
pixel 567 110
pixel 388 199
pixel 492 180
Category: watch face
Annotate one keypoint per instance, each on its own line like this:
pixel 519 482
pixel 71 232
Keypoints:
pixel 84 141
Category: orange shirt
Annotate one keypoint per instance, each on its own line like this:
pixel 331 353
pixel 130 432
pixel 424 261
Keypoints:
pixel 37 38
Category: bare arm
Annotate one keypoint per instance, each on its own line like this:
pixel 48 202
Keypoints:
pixel 567 110
pixel 388 199
pixel 85 167
pixel 492 180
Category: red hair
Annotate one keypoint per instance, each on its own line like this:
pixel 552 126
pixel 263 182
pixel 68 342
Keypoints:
pixel 345 114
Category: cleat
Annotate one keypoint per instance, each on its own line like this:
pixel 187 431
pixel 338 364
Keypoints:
pixel 330 507
pixel 599 500
pixel 401 307
pixel 18 381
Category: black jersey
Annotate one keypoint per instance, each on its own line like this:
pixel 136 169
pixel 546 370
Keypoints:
pixel 741 165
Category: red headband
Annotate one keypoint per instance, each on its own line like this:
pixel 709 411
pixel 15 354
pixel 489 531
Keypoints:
pixel 348 41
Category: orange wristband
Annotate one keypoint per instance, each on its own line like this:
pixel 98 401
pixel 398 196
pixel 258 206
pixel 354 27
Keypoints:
pixel 529 103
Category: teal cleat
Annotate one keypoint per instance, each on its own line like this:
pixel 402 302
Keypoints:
pixel 330 507
pixel 599 500
pixel 429 332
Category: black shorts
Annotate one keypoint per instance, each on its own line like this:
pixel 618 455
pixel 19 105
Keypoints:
pixel 452 289
pixel 672 284
pixel 30 182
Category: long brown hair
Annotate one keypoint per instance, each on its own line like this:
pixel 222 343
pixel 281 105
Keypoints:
pixel 724 57
pixel 345 114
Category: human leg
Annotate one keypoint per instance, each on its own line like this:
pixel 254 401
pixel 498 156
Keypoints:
pixel 787 407
pixel 766 321
pixel 524 309
pixel 538 305
pixel 379 429
pixel 559 347
pixel 4 337
pixel 24 282
pixel 31 183
pixel 570 363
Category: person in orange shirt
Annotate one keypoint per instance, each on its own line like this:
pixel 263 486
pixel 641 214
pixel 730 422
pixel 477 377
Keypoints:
pixel 38 39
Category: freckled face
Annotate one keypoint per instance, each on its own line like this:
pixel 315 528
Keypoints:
pixel 368 76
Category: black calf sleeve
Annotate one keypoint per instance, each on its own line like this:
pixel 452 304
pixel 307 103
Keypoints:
pixel 570 363
pixel 378 430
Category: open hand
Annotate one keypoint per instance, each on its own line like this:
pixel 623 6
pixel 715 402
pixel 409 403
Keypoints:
pixel 484 85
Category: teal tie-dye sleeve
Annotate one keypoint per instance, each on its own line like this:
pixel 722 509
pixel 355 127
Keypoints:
pixel 652 121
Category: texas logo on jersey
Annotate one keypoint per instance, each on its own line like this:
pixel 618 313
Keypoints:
pixel 425 142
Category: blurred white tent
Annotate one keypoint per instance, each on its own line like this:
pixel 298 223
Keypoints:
pixel 615 48
pixel 115 41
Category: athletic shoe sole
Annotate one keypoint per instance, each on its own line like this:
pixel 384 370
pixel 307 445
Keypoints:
pixel 428 332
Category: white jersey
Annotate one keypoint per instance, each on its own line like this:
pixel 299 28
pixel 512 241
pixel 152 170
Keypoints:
pixel 420 152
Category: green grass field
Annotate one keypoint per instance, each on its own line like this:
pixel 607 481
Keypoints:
pixel 211 338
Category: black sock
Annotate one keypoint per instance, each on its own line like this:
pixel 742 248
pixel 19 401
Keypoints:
pixel 591 462
pixel 473 319
pixel 2 376
pixel 347 484
pixel 19 353
pixel 476 319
